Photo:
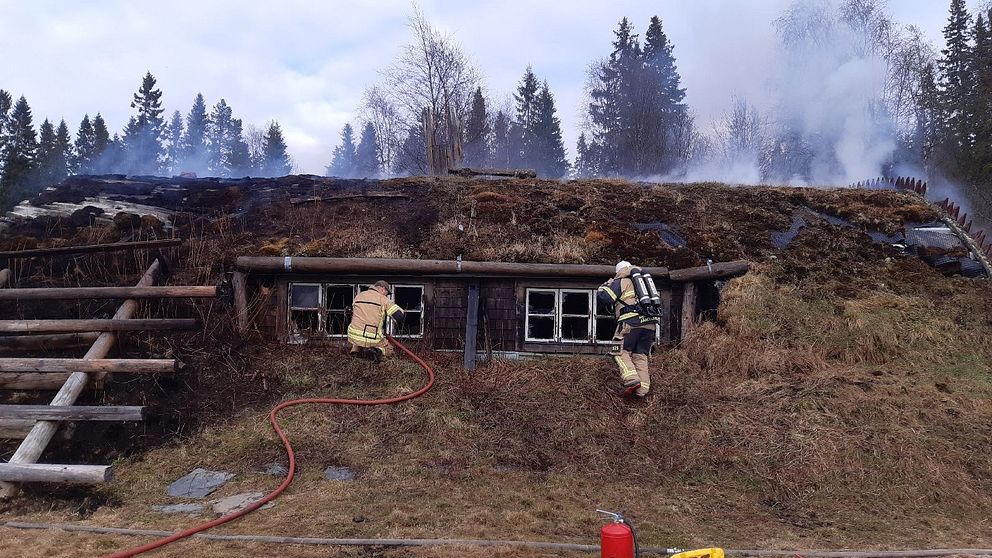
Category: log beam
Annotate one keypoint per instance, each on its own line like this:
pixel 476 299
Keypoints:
pixel 90 365
pixel 34 472
pixel 84 326
pixel 73 293
pixel 49 412
pixel 240 300
pixel 89 248
pixel 14 343
pixel 31 381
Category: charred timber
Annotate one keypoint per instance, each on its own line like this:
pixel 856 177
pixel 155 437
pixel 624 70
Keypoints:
pixel 84 326
pixel 89 248
pixel 511 173
pixel 50 412
pixel 712 271
pixel 72 293
pixel 12 343
pixel 88 365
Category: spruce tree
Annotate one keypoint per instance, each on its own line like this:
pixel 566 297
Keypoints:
pixel 85 147
pixel 929 117
pixel 218 136
pixel 101 139
pixel 411 158
pixel 145 140
pixel 64 157
pixel 20 155
pixel 238 155
pixel 662 104
pixel 526 99
pixel 47 169
pixel 6 102
pixel 195 136
pixel 366 154
pixel 611 98
pixel 981 111
pixel 549 147
pixel 956 87
pixel 477 132
pixel 343 159
pixel 275 158
pixel 582 162
pixel 501 140
pixel 174 151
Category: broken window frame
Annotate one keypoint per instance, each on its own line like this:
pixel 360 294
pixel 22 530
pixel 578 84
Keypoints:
pixel 562 315
pixel 597 316
pixel 345 312
pixel 391 327
pixel 555 312
pixel 294 330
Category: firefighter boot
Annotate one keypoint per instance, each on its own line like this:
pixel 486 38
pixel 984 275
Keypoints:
pixel 628 373
pixel 643 374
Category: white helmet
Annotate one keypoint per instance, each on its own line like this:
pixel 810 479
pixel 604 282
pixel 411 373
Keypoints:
pixel 622 264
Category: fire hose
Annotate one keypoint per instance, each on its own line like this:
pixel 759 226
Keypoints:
pixel 273 419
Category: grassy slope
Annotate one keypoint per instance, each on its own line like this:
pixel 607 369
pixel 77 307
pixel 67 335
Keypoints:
pixel 840 400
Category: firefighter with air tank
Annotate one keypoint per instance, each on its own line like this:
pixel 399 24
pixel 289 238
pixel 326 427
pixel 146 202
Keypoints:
pixel 367 330
pixel 637 304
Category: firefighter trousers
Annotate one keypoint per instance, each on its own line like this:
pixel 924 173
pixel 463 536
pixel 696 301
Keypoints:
pixel 633 358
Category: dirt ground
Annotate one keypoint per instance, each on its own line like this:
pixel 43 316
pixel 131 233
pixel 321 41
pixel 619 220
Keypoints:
pixel 841 398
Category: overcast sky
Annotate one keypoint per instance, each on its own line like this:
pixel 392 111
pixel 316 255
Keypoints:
pixel 306 64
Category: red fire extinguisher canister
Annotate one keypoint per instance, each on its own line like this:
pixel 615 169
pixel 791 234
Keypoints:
pixel 616 540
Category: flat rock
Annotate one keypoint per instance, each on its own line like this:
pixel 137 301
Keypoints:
pixel 191 509
pixel 237 502
pixel 339 474
pixel 198 483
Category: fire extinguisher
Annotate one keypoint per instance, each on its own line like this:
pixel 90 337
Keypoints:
pixel 618 539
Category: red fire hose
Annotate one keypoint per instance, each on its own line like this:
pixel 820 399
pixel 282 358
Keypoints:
pixel 289 452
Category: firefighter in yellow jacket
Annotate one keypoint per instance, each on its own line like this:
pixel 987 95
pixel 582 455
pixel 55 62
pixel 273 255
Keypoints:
pixel 635 330
pixel 367 329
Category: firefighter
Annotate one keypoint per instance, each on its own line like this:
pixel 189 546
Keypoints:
pixel 368 321
pixel 635 331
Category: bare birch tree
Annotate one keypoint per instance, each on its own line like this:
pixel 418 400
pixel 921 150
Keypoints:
pixel 390 127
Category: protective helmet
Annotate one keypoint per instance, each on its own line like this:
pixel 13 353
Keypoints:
pixel 622 264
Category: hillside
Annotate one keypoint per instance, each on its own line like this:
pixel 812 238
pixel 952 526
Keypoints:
pixel 840 397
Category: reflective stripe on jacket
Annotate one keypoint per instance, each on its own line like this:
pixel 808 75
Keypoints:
pixel 368 316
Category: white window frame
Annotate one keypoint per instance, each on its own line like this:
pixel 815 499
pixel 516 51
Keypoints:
pixel 390 324
pixel 595 322
pixel 319 308
pixel 554 315
pixel 328 311
pixel 590 323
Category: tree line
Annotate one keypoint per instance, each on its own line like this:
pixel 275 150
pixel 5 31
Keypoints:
pixel 210 142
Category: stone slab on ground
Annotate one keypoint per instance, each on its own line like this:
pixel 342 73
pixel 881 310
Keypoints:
pixel 238 502
pixel 339 474
pixel 199 483
pixel 191 509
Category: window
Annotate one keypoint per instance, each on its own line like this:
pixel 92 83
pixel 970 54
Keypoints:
pixel 338 303
pixel 541 311
pixel 567 316
pixel 605 323
pixel 410 298
pixel 304 307
pixel 576 306
pixel 325 309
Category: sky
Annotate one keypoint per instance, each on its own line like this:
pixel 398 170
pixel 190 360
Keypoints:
pixel 307 64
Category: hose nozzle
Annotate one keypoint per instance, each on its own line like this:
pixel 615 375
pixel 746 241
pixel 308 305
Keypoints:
pixel 616 516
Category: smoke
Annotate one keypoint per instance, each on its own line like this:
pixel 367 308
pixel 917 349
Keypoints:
pixel 831 120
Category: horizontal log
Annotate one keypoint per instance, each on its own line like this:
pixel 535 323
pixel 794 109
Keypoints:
pixel 336 197
pixel 107 365
pixel 714 271
pixel 88 248
pixel 372 266
pixel 513 173
pixel 67 293
pixel 82 326
pixel 37 472
pixel 52 412
pixel 15 429
pixel 31 381
pixel 12 343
